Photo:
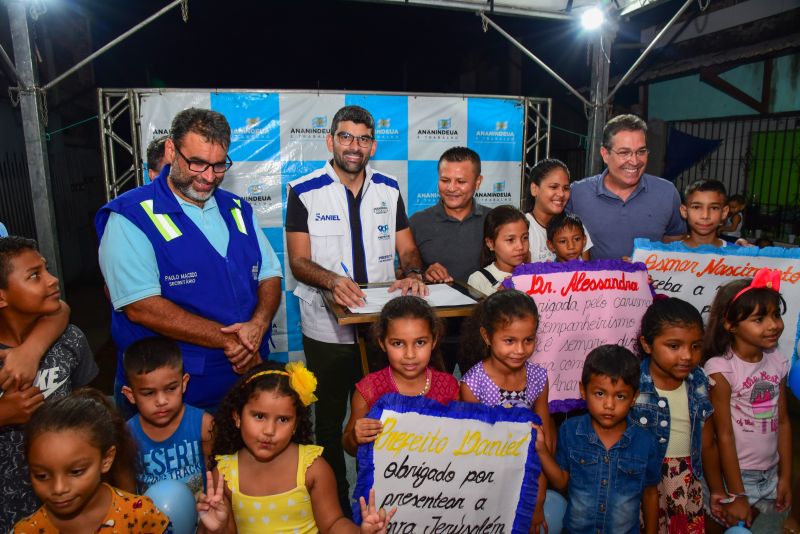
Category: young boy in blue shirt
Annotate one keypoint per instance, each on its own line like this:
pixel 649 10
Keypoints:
pixel 174 438
pixel 566 237
pixel 609 466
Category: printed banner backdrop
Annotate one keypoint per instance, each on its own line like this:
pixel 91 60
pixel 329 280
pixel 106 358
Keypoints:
pixel 457 468
pixel 694 274
pixel 582 305
pixel 277 137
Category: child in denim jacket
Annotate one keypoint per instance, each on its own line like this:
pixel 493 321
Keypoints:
pixel 673 405
pixel 609 466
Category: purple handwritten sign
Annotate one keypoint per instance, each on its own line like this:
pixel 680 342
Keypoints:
pixel 582 305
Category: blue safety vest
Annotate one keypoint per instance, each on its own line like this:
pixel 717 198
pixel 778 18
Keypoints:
pixel 192 273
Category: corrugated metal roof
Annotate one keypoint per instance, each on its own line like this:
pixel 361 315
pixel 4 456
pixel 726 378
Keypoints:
pixel 670 68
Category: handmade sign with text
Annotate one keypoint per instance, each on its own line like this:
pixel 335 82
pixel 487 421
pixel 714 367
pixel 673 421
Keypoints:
pixel 582 305
pixel 694 274
pixel 457 468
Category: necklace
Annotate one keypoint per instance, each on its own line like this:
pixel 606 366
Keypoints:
pixel 424 390
pixel 537 220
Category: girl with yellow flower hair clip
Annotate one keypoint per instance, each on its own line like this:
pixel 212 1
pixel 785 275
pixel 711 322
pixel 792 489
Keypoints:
pixel 267 476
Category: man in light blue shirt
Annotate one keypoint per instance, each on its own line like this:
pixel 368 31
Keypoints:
pixel 187 260
pixel 623 203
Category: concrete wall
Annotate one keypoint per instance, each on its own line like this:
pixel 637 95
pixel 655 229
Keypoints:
pixel 688 98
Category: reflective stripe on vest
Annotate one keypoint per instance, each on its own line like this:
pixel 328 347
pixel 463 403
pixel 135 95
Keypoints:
pixel 237 216
pixel 162 222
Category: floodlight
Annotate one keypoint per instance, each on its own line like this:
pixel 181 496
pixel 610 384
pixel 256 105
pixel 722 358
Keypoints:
pixel 592 18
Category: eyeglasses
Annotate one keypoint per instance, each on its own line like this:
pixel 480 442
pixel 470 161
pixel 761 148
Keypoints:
pixel 346 139
pixel 626 154
pixel 199 166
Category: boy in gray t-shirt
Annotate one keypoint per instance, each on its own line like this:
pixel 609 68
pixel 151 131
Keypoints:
pixel 29 293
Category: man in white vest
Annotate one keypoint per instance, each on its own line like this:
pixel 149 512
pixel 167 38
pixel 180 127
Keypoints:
pixel 344 223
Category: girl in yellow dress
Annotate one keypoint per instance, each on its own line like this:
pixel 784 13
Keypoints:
pixel 267 477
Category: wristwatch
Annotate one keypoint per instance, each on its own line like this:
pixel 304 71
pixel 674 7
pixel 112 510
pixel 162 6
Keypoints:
pixel 412 270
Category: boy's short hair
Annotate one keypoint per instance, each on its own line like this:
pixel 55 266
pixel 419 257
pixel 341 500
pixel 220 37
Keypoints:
pixel 704 186
pixel 11 247
pixel 613 361
pixel 155 153
pixel 738 198
pixel 561 221
pixel 151 353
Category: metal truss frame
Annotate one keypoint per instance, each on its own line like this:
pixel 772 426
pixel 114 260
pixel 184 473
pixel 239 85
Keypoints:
pixel 120 131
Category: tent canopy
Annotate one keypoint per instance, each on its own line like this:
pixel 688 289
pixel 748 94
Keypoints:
pixel 552 9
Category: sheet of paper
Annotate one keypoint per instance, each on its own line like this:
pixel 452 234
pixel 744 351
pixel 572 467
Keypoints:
pixel 438 295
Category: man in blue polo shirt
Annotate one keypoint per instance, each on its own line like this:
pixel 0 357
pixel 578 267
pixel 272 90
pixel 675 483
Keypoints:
pixel 187 260
pixel 623 202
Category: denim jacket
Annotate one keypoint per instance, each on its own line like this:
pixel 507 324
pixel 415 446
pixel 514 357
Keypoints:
pixel 651 412
pixel 605 485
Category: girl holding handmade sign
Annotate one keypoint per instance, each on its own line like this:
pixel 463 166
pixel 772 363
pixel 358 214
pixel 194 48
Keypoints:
pixel 266 472
pixel 505 246
pixel 673 404
pixel 501 334
pixel 547 196
pixel 748 391
pixel 408 331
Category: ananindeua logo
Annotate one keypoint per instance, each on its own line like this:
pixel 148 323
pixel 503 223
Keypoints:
pixel 317 129
pixel 384 130
pixel 443 131
pixel 498 192
pixel 252 127
pixel 257 193
pixel 500 134
pixel 427 199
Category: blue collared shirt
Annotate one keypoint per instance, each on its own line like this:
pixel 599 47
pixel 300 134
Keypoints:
pixel 651 211
pixel 605 485
pixel 651 412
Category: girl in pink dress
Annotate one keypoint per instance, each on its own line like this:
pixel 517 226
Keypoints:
pixel 408 331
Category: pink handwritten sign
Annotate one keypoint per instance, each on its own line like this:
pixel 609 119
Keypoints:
pixel 582 305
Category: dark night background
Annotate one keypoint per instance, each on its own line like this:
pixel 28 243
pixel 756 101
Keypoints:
pixel 257 44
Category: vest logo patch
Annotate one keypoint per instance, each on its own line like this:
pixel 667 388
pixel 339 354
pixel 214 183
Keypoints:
pixel 324 217
pixel 181 279
pixel 383 232
pixel 385 258
pixel 382 209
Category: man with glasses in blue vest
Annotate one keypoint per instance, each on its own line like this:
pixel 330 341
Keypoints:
pixel 344 223
pixel 623 203
pixel 185 259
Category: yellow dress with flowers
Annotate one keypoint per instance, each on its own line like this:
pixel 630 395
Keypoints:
pixel 288 512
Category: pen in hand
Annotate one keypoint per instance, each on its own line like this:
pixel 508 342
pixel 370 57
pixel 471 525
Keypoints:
pixel 347 273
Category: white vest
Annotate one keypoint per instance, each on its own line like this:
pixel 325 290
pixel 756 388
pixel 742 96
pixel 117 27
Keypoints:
pixel 325 199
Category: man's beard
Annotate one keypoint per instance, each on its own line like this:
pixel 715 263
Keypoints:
pixel 183 183
pixel 352 168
